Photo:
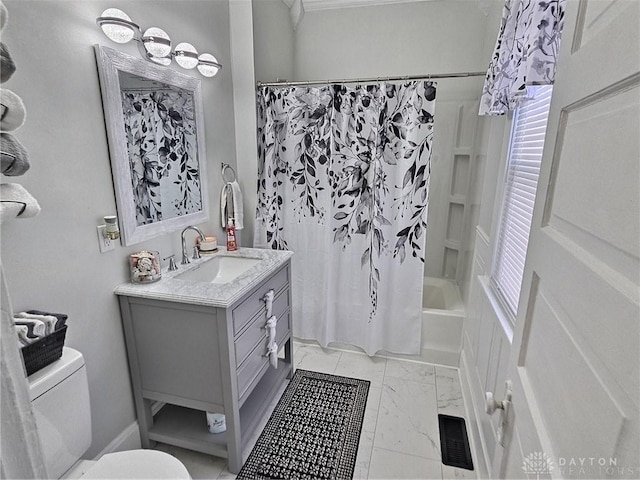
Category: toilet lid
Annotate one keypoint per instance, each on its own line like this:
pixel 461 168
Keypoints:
pixel 138 464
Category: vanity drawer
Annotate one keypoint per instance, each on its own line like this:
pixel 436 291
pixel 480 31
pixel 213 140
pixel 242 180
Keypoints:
pixel 248 309
pixel 257 359
pixel 256 332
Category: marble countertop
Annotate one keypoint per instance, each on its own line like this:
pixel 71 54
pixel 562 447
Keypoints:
pixel 221 295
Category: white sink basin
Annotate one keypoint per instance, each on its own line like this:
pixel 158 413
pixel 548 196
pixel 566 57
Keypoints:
pixel 220 269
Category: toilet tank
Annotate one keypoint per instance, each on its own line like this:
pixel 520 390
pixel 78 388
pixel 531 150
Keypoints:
pixel 60 397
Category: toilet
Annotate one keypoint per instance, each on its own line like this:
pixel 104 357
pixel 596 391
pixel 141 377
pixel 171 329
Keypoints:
pixel 60 397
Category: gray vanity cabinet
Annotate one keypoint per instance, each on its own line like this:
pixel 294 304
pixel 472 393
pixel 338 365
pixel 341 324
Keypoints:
pixel 187 359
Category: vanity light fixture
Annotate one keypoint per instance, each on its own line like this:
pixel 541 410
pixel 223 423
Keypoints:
pixel 154 44
pixel 208 65
pixel 117 25
pixel 186 55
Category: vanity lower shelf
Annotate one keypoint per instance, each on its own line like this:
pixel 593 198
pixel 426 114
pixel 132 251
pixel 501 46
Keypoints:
pixel 187 428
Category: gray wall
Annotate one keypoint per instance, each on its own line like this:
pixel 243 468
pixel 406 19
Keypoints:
pixel 52 261
pixel 399 39
pixel 273 41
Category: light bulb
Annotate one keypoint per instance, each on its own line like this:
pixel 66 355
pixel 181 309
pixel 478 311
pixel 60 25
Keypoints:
pixel 165 61
pixel 117 25
pixel 157 43
pixel 186 55
pixel 208 65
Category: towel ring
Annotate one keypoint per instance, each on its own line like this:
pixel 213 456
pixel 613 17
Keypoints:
pixel 225 167
pixel 24 206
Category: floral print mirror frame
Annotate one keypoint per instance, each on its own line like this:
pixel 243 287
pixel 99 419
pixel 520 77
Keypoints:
pixel 155 129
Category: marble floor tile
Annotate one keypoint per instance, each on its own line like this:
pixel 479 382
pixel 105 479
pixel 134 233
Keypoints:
pixel 413 371
pixel 199 465
pixel 226 475
pixel 358 365
pixel 451 473
pixel 400 436
pixel 363 459
pixel 387 465
pixel 449 392
pixel 407 419
pixel 371 410
pixel 316 358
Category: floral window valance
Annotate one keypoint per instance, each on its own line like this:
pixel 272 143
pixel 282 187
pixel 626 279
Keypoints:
pixel 525 53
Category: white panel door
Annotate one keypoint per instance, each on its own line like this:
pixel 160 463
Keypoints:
pixel 575 357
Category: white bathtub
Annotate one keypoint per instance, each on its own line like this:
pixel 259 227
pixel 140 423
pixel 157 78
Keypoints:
pixel 442 319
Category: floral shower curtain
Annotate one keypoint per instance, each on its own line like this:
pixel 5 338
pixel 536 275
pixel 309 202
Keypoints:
pixel 343 182
pixel 525 53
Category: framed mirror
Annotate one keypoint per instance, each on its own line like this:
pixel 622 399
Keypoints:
pixel 155 128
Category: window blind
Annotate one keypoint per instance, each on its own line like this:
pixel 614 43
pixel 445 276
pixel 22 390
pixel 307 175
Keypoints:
pixel 521 181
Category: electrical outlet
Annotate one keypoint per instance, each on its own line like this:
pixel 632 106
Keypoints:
pixel 105 244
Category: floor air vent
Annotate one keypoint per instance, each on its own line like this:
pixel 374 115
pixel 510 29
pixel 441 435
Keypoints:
pixel 454 442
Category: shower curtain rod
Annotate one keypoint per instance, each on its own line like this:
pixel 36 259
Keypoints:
pixel 372 79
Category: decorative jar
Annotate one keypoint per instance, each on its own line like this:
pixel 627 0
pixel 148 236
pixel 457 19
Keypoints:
pixel 145 267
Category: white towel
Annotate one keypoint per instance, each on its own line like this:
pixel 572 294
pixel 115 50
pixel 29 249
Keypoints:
pixel 23 339
pixel 37 328
pixel 49 320
pixel 14 158
pixel 273 355
pixel 13 111
pixel 16 202
pixel 271 329
pixel 268 302
pixel 4 15
pixel 231 205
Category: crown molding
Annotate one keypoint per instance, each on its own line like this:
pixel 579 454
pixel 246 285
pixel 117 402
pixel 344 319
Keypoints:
pixel 297 8
pixel 296 11
pixel 311 5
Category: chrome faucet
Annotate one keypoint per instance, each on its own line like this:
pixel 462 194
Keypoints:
pixel 185 256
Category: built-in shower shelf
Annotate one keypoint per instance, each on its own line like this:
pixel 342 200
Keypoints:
pixel 452 244
pixel 463 151
pixel 453 170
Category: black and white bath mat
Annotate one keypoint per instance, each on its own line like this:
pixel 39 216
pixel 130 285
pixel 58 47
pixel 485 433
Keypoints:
pixel 313 432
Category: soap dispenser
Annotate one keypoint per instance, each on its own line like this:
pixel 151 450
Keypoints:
pixel 232 245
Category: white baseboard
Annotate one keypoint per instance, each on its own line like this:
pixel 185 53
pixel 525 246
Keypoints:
pixel 129 439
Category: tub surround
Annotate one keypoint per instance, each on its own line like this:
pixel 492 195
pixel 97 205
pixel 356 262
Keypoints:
pixel 222 295
pixel 443 314
pixel 441 294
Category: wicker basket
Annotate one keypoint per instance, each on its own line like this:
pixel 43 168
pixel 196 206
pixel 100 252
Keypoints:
pixel 42 352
